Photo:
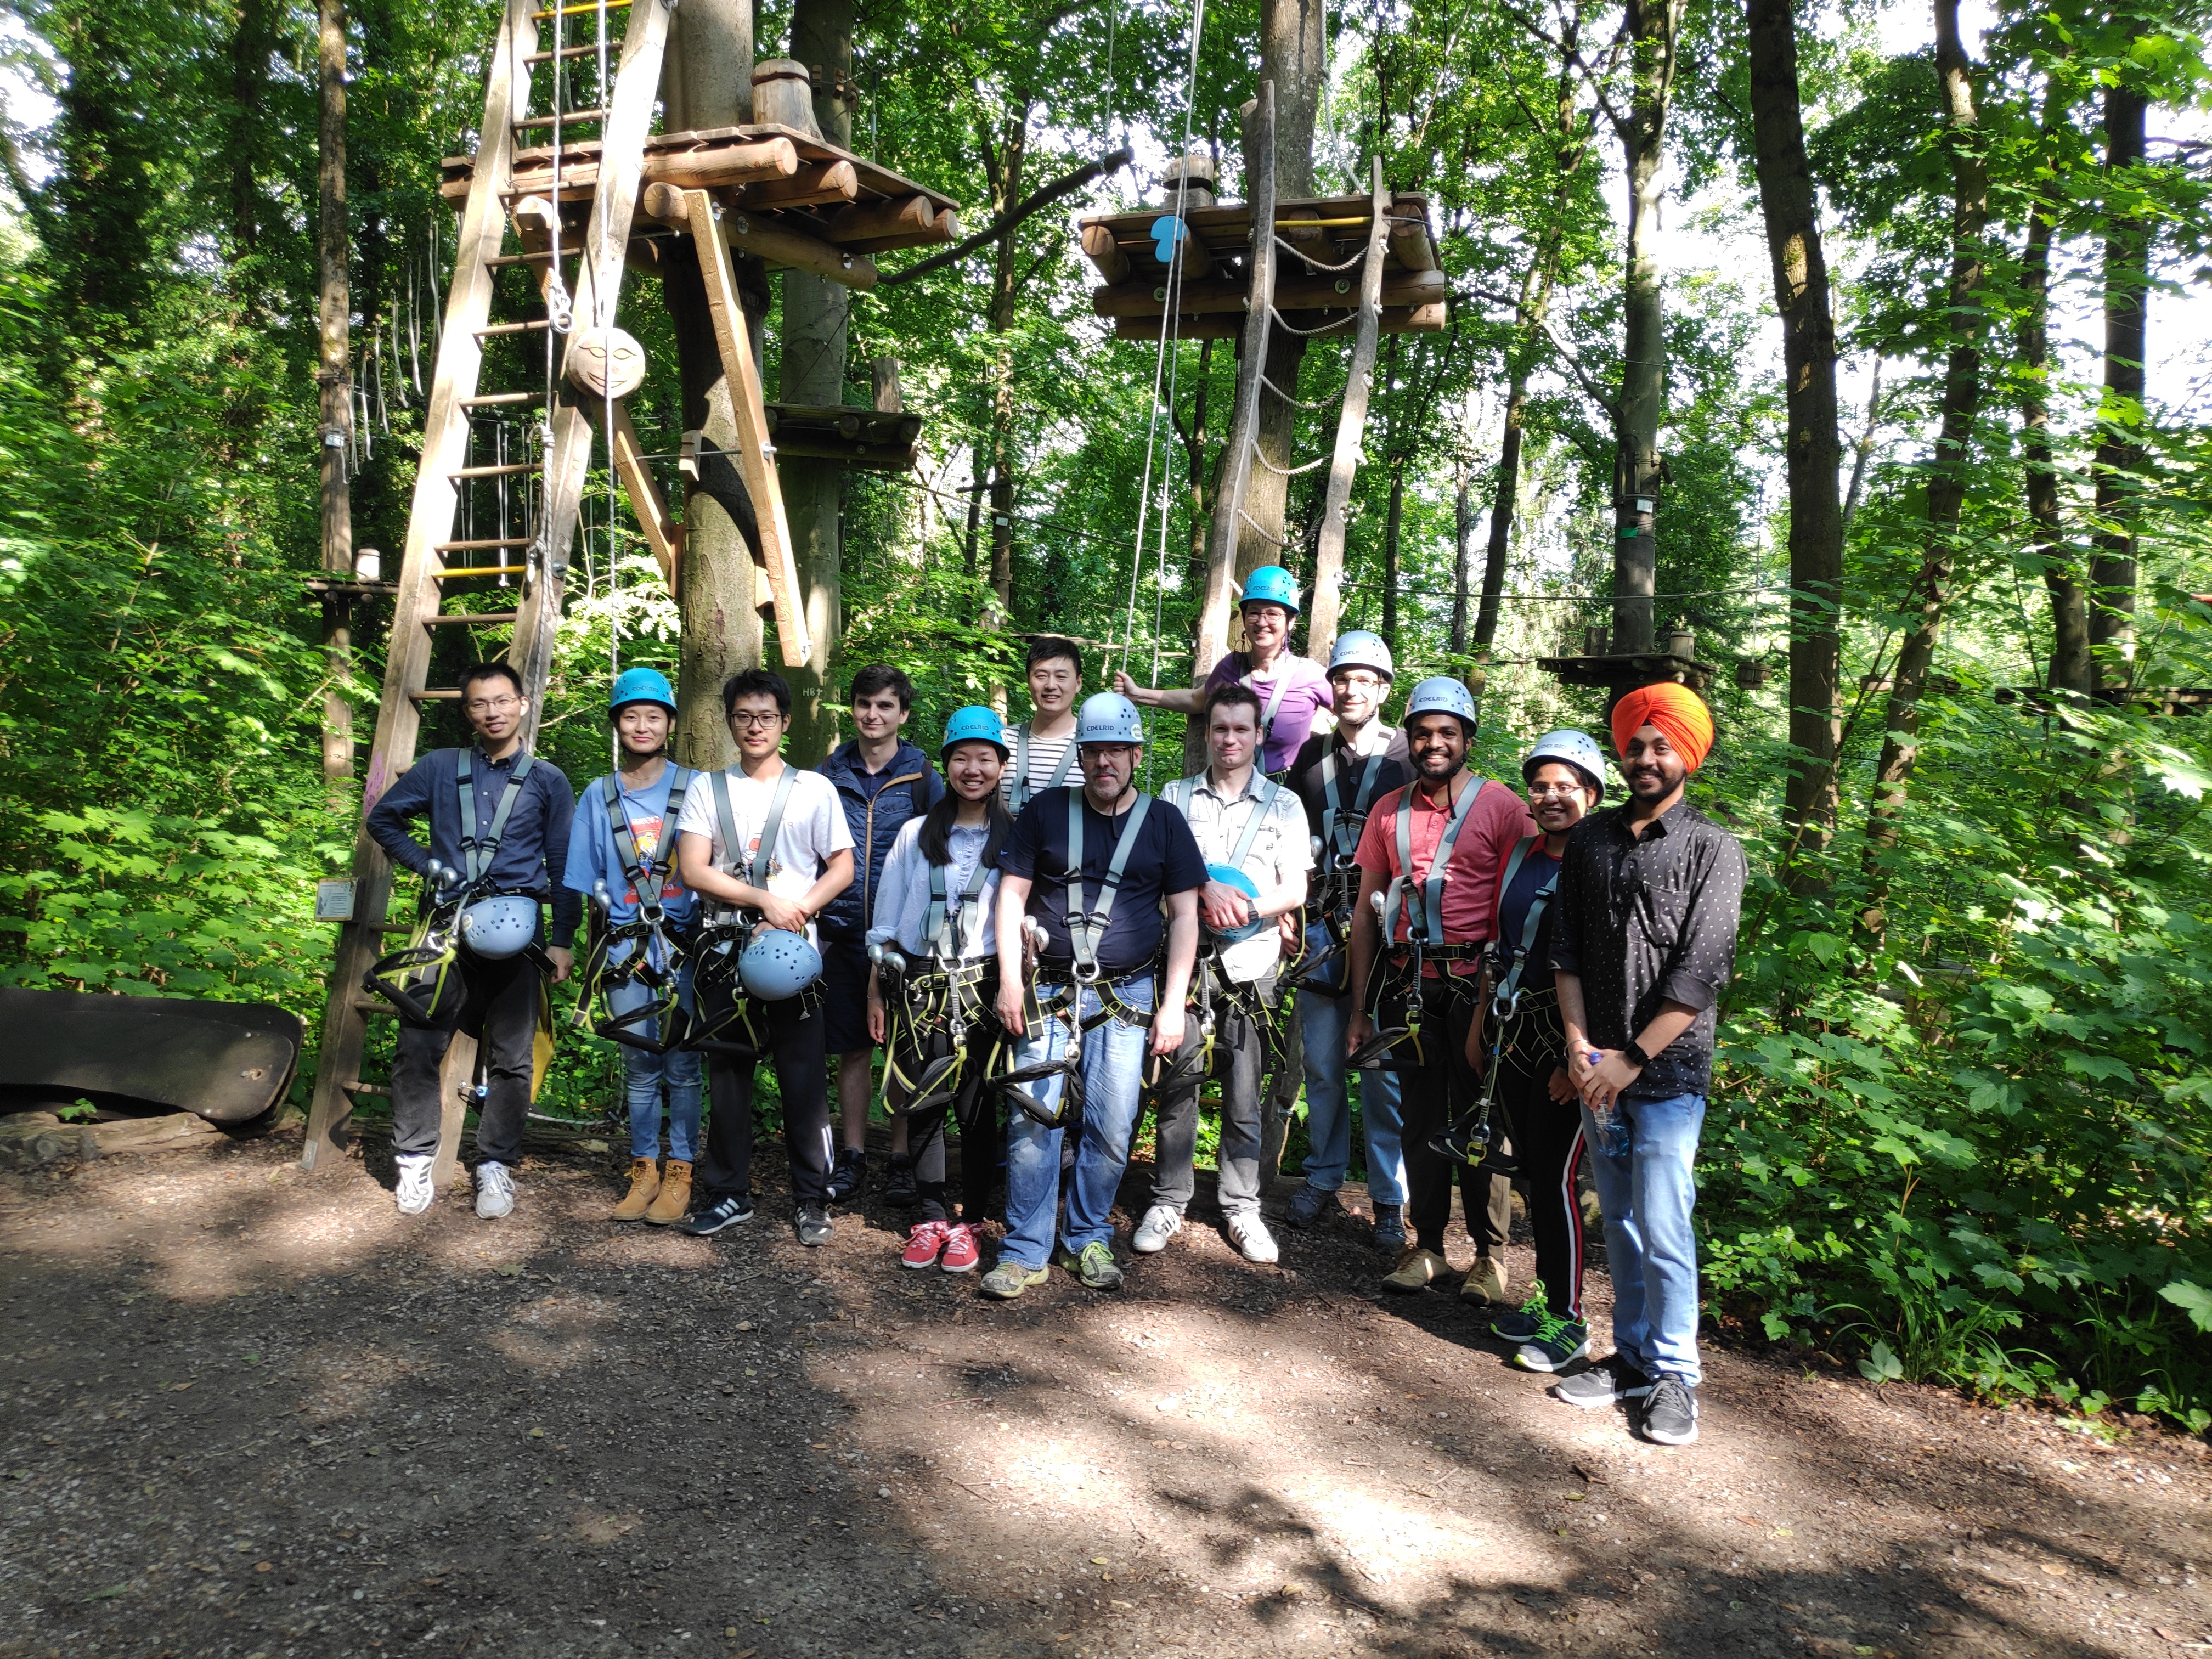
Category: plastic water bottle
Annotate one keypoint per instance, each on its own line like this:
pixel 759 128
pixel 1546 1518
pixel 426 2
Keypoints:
pixel 1612 1128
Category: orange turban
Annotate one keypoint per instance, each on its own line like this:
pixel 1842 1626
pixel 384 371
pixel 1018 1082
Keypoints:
pixel 1676 710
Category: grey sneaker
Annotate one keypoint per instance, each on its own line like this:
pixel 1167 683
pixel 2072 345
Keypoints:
pixel 495 1191
pixel 1612 1379
pixel 1009 1279
pixel 1309 1206
pixel 813 1225
pixel 1096 1268
pixel 1670 1413
pixel 1556 1346
pixel 1527 1319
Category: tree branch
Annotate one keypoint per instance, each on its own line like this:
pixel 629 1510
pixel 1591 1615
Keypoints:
pixel 1011 217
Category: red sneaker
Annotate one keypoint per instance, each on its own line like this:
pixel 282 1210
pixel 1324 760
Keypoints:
pixel 960 1251
pixel 924 1242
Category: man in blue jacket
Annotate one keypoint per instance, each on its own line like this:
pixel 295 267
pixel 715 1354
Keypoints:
pixel 883 780
pixel 509 835
pixel 623 844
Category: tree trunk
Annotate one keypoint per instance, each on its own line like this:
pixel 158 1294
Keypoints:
pixel 1004 166
pixel 1814 452
pixel 332 250
pixel 1393 521
pixel 979 465
pixel 707 83
pixel 1652 25
pixel 2119 457
pixel 1293 55
pixel 1462 546
pixel 814 355
pixel 1195 443
pixel 1949 470
pixel 252 44
pixel 2069 609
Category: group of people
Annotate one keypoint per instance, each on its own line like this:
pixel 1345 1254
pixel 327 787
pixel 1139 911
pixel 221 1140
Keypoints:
pixel 1511 978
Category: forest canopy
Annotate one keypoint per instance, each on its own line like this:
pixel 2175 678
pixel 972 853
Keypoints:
pixel 1882 331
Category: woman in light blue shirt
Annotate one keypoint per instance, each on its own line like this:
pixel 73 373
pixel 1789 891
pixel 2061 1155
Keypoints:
pixel 934 975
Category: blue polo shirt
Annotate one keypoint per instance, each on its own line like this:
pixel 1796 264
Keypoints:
pixel 1166 860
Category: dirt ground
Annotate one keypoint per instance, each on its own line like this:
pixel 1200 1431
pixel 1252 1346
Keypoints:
pixel 253 1412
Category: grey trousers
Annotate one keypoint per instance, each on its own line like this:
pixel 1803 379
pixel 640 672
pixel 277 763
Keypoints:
pixel 1239 1058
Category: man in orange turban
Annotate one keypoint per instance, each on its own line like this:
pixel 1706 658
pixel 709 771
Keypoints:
pixel 1679 714
pixel 1644 924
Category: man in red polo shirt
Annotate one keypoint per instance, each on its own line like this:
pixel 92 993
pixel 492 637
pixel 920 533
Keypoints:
pixel 1469 825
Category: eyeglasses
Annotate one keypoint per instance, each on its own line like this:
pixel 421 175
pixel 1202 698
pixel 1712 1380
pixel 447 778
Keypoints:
pixel 755 722
pixel 1359 682
pixel 1538 791
pixel 494 706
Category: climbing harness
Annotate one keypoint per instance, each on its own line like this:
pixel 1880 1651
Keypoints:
pixel 722 939
pixel 1335 850
pixel 937 1007
pixel 1470 1136
pixel 649 949
pixel 1020 794
pixel 1179 794
pixel 1400 984
pixel 1274 697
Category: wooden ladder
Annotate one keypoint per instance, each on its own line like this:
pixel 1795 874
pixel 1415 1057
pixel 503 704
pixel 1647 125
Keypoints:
pixel 533 530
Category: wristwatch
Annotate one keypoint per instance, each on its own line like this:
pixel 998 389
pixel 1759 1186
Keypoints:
pixel 1634 1055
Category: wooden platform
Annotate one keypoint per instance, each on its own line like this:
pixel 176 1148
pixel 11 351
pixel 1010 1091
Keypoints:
pixel 2149 700
pixel 866 438
pixel 787 178
pixel 1214 293
pixel 1642 668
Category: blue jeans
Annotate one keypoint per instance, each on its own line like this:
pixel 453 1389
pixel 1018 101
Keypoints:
pixel 1328 1111
pixel 644 1075
pixel 1648 1195
pixel 1113 1088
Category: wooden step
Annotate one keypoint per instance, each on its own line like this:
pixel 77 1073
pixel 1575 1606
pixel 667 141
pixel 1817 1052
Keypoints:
pixel 534 58
pixel 505 260
pixel 502 399
pixel 578 11
pixel 481 570
pixel 536 326
pixel 482 543
pixel 564 118
pixel 509 471
pixel 472 619
pixel 360 1087
pixel 449 694
pixel 372 1006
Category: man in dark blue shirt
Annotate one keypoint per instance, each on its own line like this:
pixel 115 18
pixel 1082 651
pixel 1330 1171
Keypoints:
pixel 521 811
pixel 1135 857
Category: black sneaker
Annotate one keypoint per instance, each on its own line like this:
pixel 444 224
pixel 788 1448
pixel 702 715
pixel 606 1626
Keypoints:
pixel 813 1225
pixel 898 1183
pixel 1390 1228
pixel 1670 1413
pixel 1310 1205
pixel 723 1213
pixel 847 1174
pixel 1524 1322
pixel 1556 1346
pixel 1612 1379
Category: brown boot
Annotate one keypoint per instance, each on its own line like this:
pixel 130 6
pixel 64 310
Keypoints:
pixel 644 1185
pixel 675 1200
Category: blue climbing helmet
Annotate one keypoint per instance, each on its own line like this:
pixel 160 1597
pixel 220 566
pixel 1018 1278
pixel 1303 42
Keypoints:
pixel 1271 584
pixel 1108 717
pixel 1570 748
pixel 641 685
pixel 1230 876
pixel 1361 649
pixel 973 723
pixel 1443 694
pixel 778 965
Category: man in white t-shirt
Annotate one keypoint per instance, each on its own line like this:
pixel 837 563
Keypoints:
pixel 1043 748
pixel 1244 822
pixel 809 862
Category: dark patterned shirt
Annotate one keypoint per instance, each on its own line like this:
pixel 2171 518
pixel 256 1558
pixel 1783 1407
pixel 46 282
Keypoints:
pixel 1650 919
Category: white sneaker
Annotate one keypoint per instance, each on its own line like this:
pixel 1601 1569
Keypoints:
pixel 415 1190
pixel 1161 1223
pixel 1250 1235
pixel 495 1191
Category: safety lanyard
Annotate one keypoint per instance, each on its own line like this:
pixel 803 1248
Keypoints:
pixel 1021 791
pixel 1334 813
pixel 1086 929
pixel 1424 902
pixel 646 871
pixel 1274 697
pixel 733 849
pixel 959 917
pixel 1180 792
pixel 1509 988
pixel 477 856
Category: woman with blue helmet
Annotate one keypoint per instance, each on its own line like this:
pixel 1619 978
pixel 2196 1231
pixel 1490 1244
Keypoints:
pixel 932 945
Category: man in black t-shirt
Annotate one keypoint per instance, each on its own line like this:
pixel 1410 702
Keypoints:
pixel 1099 908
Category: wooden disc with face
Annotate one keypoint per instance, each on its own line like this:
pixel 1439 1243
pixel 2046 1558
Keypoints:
pixel 606 362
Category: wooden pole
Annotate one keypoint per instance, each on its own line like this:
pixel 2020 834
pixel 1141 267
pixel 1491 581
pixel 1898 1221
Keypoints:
pixel 1322 606
pixel 331 246
pixel 1244 421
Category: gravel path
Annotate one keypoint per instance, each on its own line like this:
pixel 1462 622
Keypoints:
pixel 251 1411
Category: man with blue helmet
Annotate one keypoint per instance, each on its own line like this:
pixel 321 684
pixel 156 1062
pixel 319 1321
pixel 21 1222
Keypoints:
pixel 769 844
pixel 1111 881
pixel 1291 690
pixel 1254 836
pixel 621 854
pixel 499 819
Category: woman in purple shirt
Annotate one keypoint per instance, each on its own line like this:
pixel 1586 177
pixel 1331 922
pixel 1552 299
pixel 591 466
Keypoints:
pixel 1291 690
